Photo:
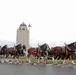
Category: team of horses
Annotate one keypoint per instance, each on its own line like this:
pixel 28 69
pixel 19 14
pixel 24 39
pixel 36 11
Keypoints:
pixel 15 51
pixel 41 52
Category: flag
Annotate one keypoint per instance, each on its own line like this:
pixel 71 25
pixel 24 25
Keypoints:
pixel 29 25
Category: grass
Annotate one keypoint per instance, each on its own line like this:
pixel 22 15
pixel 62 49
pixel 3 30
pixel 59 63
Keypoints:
pixel 24 60
pixel 48 61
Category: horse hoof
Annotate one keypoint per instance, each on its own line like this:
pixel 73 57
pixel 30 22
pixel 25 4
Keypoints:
pixel 73 64
pixel 32 63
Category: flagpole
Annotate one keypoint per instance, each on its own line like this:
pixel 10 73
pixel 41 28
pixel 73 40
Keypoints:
pixel 29 26
pixel 29 30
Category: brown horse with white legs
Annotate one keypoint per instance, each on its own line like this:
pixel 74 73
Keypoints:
pixel 40 52
pixel 11 52
pixel 57 53
pixel 66 52
pixel 15 51
pixel 70 51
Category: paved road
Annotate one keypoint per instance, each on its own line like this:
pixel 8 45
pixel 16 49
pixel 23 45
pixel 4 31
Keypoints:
pixel 27 69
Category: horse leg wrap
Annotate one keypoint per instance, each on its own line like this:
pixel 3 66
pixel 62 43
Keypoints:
pixel 73 62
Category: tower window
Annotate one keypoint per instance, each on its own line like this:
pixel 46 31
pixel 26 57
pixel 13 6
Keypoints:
pixel 23 28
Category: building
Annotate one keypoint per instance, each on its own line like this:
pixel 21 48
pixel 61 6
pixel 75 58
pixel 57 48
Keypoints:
pixel 22 36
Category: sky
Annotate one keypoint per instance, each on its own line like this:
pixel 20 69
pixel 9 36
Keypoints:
pixel 52 21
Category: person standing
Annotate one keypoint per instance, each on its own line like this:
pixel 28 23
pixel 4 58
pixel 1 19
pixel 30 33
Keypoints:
pixel 32 57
